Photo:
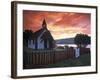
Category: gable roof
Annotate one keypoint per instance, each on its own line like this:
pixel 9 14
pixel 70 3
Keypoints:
pixel 37 33
pixel 45 34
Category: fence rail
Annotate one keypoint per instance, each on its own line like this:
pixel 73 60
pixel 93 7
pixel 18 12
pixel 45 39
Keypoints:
pixel 39 58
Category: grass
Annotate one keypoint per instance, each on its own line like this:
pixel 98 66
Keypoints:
pixel 83 60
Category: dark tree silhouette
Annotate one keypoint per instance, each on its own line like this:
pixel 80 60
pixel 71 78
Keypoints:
pixel 27 35
pixel 82 40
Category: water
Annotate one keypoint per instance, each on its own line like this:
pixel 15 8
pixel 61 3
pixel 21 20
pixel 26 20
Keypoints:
pixel 72 45
pixel 69 45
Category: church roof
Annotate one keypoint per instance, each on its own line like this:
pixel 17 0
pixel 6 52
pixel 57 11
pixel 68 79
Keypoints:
pixel 37 33
pixel 45 35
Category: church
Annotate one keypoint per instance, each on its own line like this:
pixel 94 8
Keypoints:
pixel 42 39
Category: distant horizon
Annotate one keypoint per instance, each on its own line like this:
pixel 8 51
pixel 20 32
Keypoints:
pixel 68 38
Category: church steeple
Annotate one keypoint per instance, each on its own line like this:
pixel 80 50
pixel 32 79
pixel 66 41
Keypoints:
pixel 44 25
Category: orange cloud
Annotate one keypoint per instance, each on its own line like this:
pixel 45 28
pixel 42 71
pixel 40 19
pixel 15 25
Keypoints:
pixel 60 24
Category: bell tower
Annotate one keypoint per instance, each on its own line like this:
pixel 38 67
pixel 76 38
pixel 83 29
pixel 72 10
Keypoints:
pixel 44 25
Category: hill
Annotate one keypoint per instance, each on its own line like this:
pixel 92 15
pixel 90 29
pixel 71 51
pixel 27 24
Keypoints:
pixel 65 41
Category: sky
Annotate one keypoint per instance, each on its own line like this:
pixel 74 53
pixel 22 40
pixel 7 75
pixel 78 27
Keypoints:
pixel 60 24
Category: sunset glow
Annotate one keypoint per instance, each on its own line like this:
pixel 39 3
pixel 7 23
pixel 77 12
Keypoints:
pixel 60 24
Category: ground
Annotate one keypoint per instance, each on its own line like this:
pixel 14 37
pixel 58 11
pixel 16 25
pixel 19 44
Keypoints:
pixel 83 60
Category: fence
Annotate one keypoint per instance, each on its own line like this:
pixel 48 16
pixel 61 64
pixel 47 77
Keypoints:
pixel 41 58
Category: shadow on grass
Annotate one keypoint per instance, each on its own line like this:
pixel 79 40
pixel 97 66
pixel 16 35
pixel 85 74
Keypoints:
pixel 83 60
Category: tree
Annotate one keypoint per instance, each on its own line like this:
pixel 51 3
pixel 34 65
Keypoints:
pixel 27 35
pixel 82 40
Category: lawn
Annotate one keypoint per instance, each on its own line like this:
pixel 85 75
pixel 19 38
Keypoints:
pixel 83 60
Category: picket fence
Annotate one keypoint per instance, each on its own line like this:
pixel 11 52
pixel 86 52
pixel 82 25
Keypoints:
pixel 41 58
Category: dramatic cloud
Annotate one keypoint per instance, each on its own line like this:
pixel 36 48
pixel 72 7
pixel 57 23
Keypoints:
pixel 60 24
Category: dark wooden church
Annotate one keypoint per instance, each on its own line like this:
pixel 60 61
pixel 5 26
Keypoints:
pixel 42 39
